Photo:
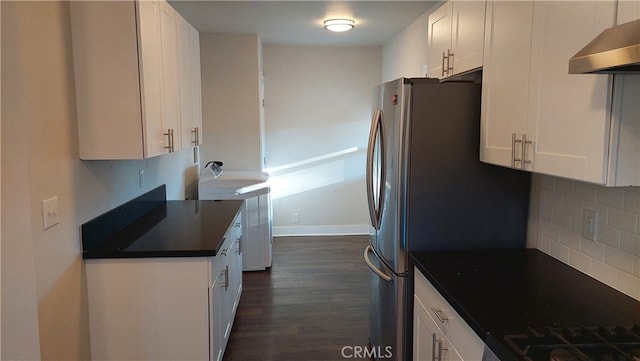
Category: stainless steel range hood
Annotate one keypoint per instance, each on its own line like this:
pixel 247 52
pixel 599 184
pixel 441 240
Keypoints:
pixel 615 50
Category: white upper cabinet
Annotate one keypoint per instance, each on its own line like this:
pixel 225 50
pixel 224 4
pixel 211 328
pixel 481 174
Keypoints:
pixel 456 36
pixel 624 167
pixel 538 117
pixel 127 77
pixel 116 51
pixel 505 81
pixel 439 40
pixel 189 73
pixel 196 87
pixel 170 86
pixel 628 10
pixel 568 119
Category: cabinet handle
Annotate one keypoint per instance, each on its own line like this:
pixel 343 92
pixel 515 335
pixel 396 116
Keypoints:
pixel 524 151
pixel 196 134
pixel 514 140
pixel 449 61
pixel 225 272
pixel 444 56
pixel 239 240
pixel 226 275
pixel 169 135
pixel 437 356
pixel 439 314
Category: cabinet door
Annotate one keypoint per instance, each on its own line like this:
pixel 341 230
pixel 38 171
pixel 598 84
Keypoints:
pixel 235 269
pixel 628 11
pixel 467 35
pixel 189 78
pixel 184 78
pixel 505 80
pixel 117 78
pixel 196 88
pixel 216 321
pixel 568 114
pixel 171 85
pixel 151 76
pixel 424 330
pixel 439 40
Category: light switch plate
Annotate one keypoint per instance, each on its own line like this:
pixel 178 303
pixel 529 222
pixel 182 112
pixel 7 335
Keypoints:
pixel 50 213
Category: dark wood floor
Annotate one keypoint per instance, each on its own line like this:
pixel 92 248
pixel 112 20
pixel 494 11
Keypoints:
pixel 313 302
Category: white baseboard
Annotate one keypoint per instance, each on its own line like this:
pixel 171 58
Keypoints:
pixel 336 230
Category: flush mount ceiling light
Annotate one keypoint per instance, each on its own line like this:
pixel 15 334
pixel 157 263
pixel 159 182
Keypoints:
pixel 339 25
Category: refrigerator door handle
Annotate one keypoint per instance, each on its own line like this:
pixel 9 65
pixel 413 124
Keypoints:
pixel 381 274
pixel 375 205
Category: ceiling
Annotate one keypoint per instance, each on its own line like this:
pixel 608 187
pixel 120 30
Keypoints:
pixel 299 23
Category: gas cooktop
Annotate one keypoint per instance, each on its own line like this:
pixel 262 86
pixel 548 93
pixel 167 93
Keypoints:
pixel 619 343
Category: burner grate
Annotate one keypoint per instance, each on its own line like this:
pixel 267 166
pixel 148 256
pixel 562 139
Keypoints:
pixel 618 343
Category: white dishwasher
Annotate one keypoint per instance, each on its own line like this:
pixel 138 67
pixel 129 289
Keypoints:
pixel 253 187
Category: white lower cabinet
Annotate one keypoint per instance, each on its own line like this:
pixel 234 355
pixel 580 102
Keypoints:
pixel 225 289
pixel 165 308
pixel 439 333
pixel 430 343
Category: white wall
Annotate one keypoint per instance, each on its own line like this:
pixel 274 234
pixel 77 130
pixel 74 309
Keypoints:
pixel 317 124
pixel 230 65
pixel 406 54
pixel 44 302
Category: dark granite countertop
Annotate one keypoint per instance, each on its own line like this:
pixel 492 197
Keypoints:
pixel 503 292
pixel 159 228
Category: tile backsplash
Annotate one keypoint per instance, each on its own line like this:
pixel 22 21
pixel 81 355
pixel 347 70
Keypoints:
pixel 614 257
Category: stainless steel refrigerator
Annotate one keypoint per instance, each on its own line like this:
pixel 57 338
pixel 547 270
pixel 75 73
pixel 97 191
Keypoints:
pixel 427 190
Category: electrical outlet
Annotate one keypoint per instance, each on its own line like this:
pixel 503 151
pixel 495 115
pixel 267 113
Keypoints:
pixel 141 178
pixel 50 212
pixel 589 224
pixel 295 218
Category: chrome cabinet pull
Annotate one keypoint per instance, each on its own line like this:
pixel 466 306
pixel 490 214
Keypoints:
pixel 444 57
pixel 171 146
pixel 433 347
pixel 436 352
pixel 449 62
pixel 196 133
pixel 439 314
pixel 239 240
pixel 525 141
pixel 226 284
pixel 514 140
pixel 225 272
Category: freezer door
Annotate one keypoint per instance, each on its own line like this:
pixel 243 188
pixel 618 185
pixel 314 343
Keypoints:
pixel 387 302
